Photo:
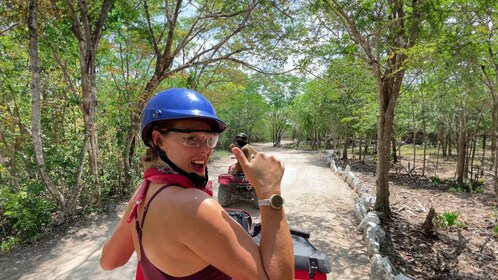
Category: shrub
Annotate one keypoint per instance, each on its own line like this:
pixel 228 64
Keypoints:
pixel 27 211
pixel 448 219
pixel 435 180
pixel 470 186
pixel 478 185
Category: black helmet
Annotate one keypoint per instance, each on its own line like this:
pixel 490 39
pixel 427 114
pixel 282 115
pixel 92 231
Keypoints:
pixel 241 136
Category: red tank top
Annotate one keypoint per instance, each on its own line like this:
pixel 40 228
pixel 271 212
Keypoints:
pixel 149 271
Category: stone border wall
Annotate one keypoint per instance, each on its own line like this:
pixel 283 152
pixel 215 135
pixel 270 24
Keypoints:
pixel 368 221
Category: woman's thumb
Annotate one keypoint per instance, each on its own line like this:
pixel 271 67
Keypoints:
pixel 241 158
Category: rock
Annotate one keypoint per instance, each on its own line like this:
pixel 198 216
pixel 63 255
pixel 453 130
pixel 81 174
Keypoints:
pixel 402 277
pixel 381 268
pixel 361 211
pixel 368 200
pixel 371 217
pixel 376 233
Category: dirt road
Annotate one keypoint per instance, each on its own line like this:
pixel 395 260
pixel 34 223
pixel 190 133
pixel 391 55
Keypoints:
pixel 317 200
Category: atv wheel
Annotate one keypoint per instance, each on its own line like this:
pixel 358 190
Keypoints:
pixel 254 199
pixel 224 196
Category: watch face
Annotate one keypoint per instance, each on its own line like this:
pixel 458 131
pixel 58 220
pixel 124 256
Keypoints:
pixel 277 201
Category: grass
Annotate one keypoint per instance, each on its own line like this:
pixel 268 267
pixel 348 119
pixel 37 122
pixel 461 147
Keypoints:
pixel 218 154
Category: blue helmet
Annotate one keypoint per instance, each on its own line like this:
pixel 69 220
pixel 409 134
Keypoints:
pixel 178 103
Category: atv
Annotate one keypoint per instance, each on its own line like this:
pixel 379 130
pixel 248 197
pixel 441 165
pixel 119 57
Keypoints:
pixel 309 262
pixel 234 186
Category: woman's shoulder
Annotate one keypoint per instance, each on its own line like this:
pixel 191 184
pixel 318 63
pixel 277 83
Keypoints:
pixel 183 201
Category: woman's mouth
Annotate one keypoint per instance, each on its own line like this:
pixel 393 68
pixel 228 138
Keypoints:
pixel 199 166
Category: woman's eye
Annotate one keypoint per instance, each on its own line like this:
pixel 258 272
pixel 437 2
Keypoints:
pixel 193 138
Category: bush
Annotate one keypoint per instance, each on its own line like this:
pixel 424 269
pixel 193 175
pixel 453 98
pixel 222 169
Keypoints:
pixel 435 180
pixel 26 213
pixel 477 185
pixel 471 186
pixel 448 219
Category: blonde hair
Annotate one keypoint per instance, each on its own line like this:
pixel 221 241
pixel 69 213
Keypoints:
pixel 151 159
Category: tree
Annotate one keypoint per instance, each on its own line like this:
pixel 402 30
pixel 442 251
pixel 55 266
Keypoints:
pixel 385 31
pixel 279 92
pixel 36 108
pixel 88 31
pixel 481 19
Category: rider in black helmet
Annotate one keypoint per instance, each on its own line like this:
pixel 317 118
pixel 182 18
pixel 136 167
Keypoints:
pixel 241 139
pixel 247 149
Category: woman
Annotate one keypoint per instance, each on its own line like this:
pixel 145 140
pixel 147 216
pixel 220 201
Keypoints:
pixel 180 231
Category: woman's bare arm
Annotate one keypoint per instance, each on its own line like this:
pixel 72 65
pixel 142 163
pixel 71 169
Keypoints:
pixel 118 249
pixel 265 175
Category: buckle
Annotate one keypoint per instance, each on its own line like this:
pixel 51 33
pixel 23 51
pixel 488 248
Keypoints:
pixel 313 267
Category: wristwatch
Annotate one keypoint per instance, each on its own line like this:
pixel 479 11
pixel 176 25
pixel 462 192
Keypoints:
pixel 275 201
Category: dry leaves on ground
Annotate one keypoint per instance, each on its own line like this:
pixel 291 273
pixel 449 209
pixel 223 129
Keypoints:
pixel 468 250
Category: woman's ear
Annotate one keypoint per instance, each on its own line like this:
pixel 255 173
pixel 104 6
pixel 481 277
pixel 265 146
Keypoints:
pixel 156 138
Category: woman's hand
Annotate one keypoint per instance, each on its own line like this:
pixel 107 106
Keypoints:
pixel 264 172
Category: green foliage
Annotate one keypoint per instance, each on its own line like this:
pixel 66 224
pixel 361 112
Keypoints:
pixel 472 186
pixel 444 78
pixel 448 219
pixel 26 212
pixel 435 180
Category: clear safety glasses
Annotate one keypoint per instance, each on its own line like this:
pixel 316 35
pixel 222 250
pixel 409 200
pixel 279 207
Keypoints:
pixel 194 138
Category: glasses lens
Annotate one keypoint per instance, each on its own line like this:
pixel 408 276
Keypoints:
pixel 213 140
pixel 197 139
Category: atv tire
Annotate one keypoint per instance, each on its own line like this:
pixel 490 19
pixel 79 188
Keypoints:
pixel 224 195
pixel 254 199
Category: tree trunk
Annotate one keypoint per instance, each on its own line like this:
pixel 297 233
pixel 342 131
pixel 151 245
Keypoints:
pixel 394 155
pixel 36 108
pixel 89 37
pixel 472 157
pixel 437 158
pixel 448 145
pixel 89 110
pixel 496 175
pixel 462 148
pixel 414 149
pixel 365 150
pixel 424 157
pixel 494 125
pixel 353 144
pixel 345 147
pixel 360 148
pixel 388 91
pixel 494 140
pixel 443 144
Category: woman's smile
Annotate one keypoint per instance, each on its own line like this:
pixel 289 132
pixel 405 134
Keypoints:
pixel 199 166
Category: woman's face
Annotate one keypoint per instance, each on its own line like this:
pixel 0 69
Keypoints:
pixel 177 145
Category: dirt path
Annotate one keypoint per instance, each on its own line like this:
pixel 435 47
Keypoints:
pixel 317 200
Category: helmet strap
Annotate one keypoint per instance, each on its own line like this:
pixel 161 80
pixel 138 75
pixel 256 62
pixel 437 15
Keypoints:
pixel 197 180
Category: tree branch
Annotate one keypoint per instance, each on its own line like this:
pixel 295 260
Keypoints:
pixel 151 31
pixel 104 12
pixel 76 26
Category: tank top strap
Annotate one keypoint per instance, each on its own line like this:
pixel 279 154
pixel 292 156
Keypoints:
pixel 138 226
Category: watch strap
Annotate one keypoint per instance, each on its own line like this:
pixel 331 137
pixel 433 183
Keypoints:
pixel 275 201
